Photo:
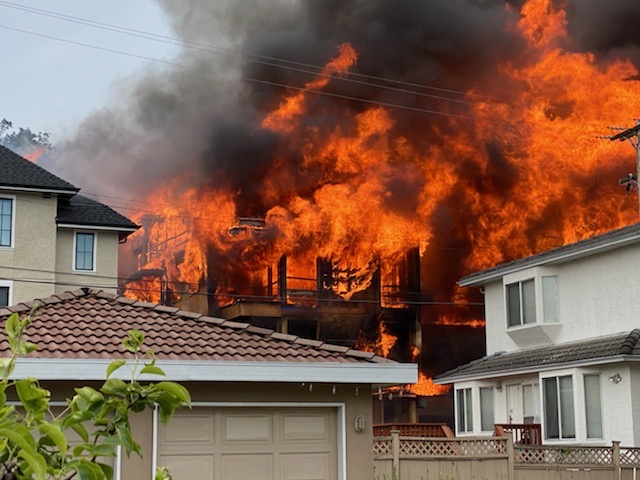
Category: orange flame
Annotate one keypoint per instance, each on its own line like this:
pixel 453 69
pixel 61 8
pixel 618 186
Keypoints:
pixel 35 155
pixel 426 388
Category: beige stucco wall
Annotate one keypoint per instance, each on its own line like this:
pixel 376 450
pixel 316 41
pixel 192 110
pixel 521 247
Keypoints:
pixel 359 446
pixel 30 263
pixel 106 272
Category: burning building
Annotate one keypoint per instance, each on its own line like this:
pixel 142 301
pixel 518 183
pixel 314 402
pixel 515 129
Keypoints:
pixel 330 167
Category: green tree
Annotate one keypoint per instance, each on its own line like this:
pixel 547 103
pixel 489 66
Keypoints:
pixel 22 140
pixel 34 443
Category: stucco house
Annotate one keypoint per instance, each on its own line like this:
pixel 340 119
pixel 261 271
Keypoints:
pixel 51 238
pixel 562 345
pixel 266 405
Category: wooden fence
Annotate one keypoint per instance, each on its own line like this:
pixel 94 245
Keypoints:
pixel 497 458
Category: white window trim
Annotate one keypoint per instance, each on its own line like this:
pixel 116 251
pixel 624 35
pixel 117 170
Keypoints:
pixel 468 391
pixel 73 253
pixel 8 283
pixel 603 417
pixel 535 274
pixel 341 430
pixel 13 222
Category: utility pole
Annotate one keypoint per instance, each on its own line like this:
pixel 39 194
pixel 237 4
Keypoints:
pixel 632 134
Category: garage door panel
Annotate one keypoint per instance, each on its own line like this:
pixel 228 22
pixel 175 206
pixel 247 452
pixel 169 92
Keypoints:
pixel 187 431
pixel 247 428
pixel 188 467
pixel 247 467
pixel 305 466
pixel 296 428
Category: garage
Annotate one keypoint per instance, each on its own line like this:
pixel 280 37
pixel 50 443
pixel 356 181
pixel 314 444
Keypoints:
pixel 258 443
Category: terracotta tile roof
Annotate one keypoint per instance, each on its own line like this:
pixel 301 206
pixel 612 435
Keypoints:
pixel 90 323
pixel 622 346
pixel 16 171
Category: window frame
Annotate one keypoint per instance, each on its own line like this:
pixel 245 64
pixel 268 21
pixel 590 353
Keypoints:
pixel 559 407
pixel 12 226
pixel 490 391
pixel 464 410
pixel 544 285
pixel 586 405
pixel 74 259
pixel 9 285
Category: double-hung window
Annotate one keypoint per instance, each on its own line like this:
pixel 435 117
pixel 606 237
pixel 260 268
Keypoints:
pixel 486 409
pixel 5 293
pixel 593 405
pixel 559 415
pixel 465 410
pixel 84 251
pixel 521 303
pixel 6 222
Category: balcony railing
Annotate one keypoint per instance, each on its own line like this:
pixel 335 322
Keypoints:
pixel 429 430
pixel 523 433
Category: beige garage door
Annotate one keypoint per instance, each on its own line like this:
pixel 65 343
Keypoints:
pixel 250 444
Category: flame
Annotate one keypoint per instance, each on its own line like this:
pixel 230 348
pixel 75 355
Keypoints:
pixel 426 388
pixel 382 344
pixel 36 154
pixel 525 176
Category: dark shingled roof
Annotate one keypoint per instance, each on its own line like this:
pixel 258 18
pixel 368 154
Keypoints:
pixel 620 345
pixel 16 171
pixel 90 324
pixel 621 236
pixel 81 210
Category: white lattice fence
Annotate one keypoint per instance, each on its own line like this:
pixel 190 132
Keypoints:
pixel 630 456
pixel 564 455
pixel 382 447
pixel 430 447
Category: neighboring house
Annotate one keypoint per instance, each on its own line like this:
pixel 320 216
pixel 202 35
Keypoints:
pixel 266 405
pixel 563 345
pixel 51 238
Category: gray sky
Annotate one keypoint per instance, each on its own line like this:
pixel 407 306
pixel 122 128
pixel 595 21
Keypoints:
pixel 51 84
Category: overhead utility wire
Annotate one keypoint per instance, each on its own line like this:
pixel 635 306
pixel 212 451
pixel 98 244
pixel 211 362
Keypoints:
pixel 275 84
pixel 260 59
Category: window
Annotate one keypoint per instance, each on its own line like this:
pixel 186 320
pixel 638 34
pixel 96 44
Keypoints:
pixel 528 403
pixel 5 292
pixel 521 303
pixel 4 296
pixel 486 409
pixel 550 299
pixel 6 222
pixel 593 406
pixel 84 251
pixel 559 419
pixel 465 410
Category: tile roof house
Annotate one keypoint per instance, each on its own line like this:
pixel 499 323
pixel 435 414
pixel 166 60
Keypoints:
pixel 265 404
pixel 562 343
pixel 51 238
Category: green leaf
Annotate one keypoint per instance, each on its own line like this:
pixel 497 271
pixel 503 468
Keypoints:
pixel 125 438
pixel 115 365
pixel 12 326
pixel 86 470
pixel 55 434
pixel 134 341
pixel 114 386
pixel 34 399
pixel 36 463
pixel 102 450
pixel 153 370
pixel 176 390
pixel 21 437
pixel 107 470
pixel 80 430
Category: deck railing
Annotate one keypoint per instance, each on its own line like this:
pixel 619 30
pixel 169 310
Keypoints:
pixel 522 433
pixel 431 430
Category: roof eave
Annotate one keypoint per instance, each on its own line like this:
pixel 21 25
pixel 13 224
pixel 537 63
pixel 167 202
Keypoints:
pixel 114 228
pixel 447 380
pixel 385 374
pixel 477 280
pixel 15 188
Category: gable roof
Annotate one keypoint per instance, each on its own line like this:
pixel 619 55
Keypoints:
pixel 82 211
pixel 79 332
pixel 18 173
pixel 600 243
pixel 615 348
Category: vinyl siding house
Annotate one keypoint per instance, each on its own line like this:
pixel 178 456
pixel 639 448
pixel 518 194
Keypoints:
pixel 562 344
pixel 51 238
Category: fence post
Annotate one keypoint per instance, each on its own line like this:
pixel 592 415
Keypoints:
pixel 615 456
pixel 511 474
pixel 395 449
